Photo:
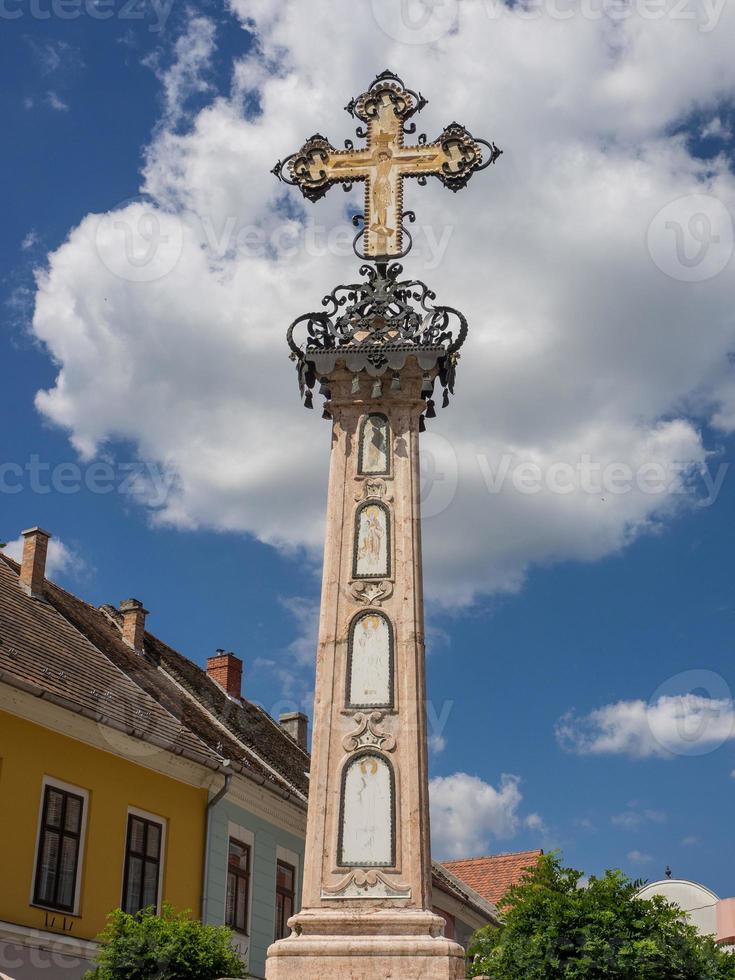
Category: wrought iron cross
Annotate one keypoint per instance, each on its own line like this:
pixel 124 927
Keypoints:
pixel 384 162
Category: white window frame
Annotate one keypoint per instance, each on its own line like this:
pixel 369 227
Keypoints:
pixel 245 836
pixel 78 791
pixel 133 811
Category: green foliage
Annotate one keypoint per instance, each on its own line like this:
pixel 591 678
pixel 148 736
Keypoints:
pixel 169 946
pixel 556 928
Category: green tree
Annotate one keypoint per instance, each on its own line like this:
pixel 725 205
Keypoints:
pixel 557 928
pixel 169 946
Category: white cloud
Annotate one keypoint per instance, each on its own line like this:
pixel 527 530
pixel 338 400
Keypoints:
pixel 293 667
pixel 634 817
pixel 466 813
pixel 437 743
pixel 30 239
pixel 60 559
pixel 52 56
pixel 638 857
pixel 716 129
pixel 186 75
pixel 580 346
pixel 305 613
pixel 56 102
pixel 534 821
pixel 667 727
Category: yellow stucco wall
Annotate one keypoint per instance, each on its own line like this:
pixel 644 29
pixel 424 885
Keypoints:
pixel 29 752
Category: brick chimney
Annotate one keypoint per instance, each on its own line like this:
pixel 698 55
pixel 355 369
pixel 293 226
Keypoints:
pixel 33 563
pixel 133 626
pixel 297 725
pixel 226 670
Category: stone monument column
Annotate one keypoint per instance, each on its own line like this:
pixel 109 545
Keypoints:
pixel 377 350
pixel 369 718
pixel 367 870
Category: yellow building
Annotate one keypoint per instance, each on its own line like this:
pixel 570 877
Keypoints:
pixel 106 772
pixel 108 801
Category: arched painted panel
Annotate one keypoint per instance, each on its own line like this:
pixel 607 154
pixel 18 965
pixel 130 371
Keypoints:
pixel 370 662
pixel 372 541
pixel 367 813
pixel 374 452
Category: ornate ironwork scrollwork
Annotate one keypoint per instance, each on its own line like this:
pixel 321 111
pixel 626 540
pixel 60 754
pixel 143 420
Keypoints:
pixel 376 324
pixel 405 101
pixel 383 310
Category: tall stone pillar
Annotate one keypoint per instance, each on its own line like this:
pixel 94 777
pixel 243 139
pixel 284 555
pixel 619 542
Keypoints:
pixel 377 350
pixel 367 871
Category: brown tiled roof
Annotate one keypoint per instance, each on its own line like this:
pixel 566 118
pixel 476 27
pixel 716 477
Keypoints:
pixel 70 651
pixel 249 723
pixel 443 878
pixel 493 875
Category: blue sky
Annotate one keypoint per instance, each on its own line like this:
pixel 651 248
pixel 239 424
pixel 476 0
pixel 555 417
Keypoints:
pixel 542 610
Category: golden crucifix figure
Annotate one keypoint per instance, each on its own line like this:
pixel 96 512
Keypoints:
pixel 385 161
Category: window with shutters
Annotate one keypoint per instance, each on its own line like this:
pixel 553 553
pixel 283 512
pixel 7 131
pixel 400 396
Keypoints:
pixel 143 858
pixel 59 848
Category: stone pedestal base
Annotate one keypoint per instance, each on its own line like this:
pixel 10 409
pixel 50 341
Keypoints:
pixel 351 944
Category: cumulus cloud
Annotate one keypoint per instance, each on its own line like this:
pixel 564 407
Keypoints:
pixel 590 367
pixel 467 813
pixel 60 559
pixel 667 727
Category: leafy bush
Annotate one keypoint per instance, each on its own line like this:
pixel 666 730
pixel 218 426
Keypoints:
pixel 169 946
pixel 556 928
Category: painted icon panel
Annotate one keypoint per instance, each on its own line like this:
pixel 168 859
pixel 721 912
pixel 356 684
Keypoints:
pixel 367 824
pixel 372 542
pixel 370 662
pixel 374 456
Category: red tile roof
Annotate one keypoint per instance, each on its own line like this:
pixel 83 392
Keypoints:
pixel 493 875
pixel 443 879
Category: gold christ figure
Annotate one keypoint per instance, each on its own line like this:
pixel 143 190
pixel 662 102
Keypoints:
pixel 385 161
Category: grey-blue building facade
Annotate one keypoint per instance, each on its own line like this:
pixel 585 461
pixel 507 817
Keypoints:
pixel 271 843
